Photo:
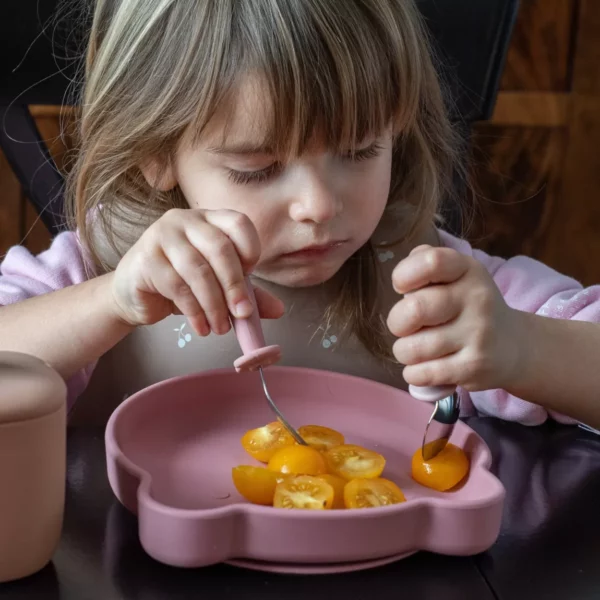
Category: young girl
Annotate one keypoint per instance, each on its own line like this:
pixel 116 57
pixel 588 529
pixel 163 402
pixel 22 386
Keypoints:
pixel 307 144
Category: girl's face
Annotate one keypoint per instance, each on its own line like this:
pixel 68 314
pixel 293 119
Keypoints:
pixel 311 214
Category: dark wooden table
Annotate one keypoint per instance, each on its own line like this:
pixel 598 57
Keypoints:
pixel 549 547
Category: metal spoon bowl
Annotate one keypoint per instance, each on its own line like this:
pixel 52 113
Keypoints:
pixel 440 426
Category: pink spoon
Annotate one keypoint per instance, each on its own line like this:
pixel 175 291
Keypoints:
pixel 257 355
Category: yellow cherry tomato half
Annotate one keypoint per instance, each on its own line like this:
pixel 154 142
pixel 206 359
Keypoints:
pixel 351 462
pixel 371 493
pixel 321 438
pixel 305 492
pixel 338 484
pixel 442 472
pixel 298 460
pixel 263 442
pixel 255 484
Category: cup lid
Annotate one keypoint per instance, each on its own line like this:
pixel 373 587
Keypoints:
pixel 29 388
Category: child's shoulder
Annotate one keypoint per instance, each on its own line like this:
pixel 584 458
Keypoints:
pixel 530 285
pixel 24 274
pixel 447 240
pixel 395 252
pixel 516 268
pixel 523 281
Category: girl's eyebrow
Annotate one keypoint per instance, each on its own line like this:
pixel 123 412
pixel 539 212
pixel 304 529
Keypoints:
pixel 242 149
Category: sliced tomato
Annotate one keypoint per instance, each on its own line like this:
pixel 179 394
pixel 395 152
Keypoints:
pixel 298 460
pixel 263 442
pixel 338 484
pixel 371 493
pixel 256 484
pixel 350 461
pixel 304 491
pixel 442 472
pixel 321 438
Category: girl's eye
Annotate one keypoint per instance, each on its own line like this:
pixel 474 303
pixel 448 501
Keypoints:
pixel 246 177
pixel 262 175
pixel 364 154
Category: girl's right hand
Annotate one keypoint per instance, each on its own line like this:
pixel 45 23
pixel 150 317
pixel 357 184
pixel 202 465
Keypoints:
pixel 192 262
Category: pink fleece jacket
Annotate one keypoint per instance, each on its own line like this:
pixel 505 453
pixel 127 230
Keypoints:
pixel 526 284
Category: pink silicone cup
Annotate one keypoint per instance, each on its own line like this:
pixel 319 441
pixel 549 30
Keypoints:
pixel 171 447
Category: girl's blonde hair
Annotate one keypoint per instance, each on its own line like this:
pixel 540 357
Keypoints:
pixel 345 69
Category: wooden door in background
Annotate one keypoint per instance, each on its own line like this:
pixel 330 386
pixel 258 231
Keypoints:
pixel 535 163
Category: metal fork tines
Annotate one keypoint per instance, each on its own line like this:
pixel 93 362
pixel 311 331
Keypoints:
pixel 279 414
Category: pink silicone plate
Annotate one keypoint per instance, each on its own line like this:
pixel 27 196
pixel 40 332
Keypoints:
pixel 171 447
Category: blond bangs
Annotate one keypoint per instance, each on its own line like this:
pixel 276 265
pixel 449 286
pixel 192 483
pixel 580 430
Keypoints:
pixel 312 79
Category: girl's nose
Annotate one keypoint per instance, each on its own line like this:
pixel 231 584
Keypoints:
pixel 314 200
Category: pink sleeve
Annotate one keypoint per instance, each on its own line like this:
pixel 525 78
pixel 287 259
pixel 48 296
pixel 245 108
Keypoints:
pixel 530 286
pixel 23 275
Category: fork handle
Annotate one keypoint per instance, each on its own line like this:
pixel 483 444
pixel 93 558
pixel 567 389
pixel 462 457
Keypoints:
pixel 249 331
pixel 251 339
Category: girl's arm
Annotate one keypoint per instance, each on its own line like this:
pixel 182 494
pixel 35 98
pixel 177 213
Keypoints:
pixel 69 328
pixel 53 308
pixel 521 340
pixel 189 261
pixel 561 368
pixel 560 337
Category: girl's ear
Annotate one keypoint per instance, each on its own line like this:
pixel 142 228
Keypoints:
pixel 159 174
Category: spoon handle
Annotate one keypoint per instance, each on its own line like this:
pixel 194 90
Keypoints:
pixel 431 394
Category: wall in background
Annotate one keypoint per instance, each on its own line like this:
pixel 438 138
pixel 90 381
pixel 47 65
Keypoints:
pixel 536 163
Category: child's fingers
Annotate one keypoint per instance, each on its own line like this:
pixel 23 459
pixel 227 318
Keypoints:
pixel 462 368
pixel 242 233
pixel 269 306
pixel 428 307
pixel 420 248
pixel 170 285
pixel 223 266
pixel 428 266
pixel 199 324
pixel 437 372
pixel 200 278
pixel 427 345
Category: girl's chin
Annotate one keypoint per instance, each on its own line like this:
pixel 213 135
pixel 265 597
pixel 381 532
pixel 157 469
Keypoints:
pixel 299 277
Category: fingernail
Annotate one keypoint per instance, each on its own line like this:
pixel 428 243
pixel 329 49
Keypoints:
pixel 243 309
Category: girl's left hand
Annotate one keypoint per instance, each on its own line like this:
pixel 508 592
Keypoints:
pixel 453 325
